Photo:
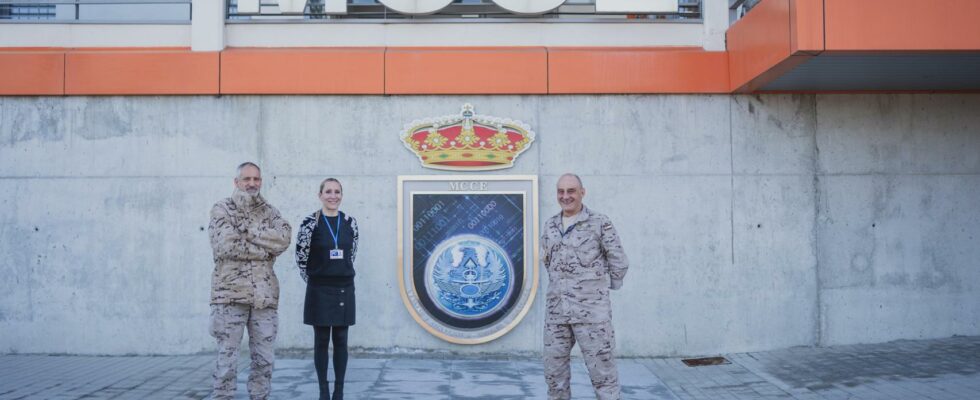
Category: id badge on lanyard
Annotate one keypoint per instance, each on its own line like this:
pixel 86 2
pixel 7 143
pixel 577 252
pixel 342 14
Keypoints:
pixel 335 253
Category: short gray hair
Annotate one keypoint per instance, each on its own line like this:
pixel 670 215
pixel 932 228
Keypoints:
pixel 238 171
pixel 573 176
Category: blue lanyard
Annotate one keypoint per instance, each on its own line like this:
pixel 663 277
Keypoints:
pixel 335 236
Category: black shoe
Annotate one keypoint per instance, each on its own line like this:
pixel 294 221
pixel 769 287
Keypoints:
pixel 325 391
pixel 338 391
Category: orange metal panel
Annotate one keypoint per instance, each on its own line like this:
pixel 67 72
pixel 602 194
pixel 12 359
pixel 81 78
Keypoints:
pixel 32 73
pixel 758 42
pixel 806 26
pixel 902 25
pixel 466 70
pixel 140 72
pixel 303 71
pixel 636 70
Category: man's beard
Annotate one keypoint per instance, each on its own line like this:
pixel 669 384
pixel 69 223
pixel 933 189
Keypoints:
pixel 246 196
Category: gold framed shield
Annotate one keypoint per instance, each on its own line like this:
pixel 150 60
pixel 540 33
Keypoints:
pixel 468 253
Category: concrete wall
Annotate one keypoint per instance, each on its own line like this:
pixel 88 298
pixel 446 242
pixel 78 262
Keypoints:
pixel 752 222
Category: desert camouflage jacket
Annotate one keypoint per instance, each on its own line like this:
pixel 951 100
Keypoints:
pixel 583 263
pixel 247 234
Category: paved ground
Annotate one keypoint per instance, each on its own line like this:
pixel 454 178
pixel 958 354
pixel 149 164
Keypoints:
pixel 929 369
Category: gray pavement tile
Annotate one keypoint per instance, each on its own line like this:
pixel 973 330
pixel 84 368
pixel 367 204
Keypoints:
pixel 581 390
pixel 365 363
pixel 422 364
pixel 416 375
pixel 403 396
pixel 660 392
pixel 63 376
pixel 359 375
pixel 539 391
pixel 25 368
pixel 531 367
pixel 103 372
pixel 959 391
pixel 486 390
pixel 931 369
pixel 496 375
pixel 413 388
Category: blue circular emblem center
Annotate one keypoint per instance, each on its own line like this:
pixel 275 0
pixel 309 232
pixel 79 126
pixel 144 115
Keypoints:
pixel 469 276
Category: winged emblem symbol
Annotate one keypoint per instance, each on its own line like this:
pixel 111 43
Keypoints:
pixel 472 278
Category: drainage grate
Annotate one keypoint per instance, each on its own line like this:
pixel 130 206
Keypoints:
pixel 700 362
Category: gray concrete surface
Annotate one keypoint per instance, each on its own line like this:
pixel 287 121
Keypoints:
pixel 753 222
pixel 927 369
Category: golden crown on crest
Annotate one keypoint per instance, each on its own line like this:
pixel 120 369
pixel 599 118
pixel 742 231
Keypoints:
pixel 467 141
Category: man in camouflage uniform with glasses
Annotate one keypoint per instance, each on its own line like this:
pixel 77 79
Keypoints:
pixel 247 234
pixel 584 260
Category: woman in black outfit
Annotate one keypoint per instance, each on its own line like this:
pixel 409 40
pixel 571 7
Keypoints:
pixel 325 249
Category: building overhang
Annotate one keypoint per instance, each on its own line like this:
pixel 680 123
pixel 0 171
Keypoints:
pixel 794 46
pixel 856 46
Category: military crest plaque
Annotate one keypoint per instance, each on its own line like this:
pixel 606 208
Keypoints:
pixel 467 253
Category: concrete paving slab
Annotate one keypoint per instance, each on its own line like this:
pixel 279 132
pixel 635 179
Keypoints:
pixel 942 369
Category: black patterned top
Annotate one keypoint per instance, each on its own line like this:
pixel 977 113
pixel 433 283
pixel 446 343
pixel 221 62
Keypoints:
pixel 305 236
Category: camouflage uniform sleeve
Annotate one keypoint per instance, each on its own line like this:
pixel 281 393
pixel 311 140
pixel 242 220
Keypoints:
pixel 274 237
pixel 615 256
pixel 545 253
pixel 228 238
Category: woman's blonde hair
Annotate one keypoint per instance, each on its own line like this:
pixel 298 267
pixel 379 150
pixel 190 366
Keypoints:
pixel 330 180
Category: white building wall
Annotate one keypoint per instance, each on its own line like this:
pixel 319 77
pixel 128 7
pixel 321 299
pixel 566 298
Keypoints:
pixel 208 25
pixel 202 36
pixel 621 34
pixel 95 35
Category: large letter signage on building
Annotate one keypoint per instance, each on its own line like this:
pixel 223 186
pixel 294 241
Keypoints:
pixel 416 7
pixel 467 253
pixel 422 7
pixel 529 6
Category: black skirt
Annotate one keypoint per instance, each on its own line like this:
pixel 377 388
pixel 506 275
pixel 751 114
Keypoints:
pixel 329 305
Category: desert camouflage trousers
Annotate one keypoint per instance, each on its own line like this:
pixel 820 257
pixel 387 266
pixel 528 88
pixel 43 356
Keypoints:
pixel 597 342
pixel 228 322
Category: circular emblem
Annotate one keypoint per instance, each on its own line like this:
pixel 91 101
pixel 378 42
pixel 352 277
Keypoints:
pixel 469 277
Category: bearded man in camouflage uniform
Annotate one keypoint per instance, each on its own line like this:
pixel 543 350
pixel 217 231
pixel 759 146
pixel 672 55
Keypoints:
pixel 584 260
pixel 247 234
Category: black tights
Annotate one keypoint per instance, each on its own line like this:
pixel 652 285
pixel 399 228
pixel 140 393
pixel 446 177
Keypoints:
pixel 321 341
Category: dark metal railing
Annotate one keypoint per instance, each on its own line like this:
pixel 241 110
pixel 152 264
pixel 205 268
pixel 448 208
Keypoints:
pixel 96 11
pixel 180 11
